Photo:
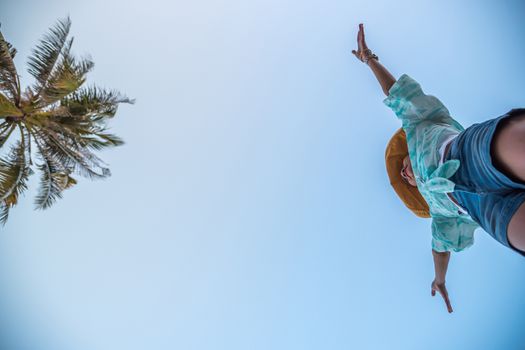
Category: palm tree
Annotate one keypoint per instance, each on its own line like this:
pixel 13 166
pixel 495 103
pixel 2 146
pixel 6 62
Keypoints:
pixel 63 119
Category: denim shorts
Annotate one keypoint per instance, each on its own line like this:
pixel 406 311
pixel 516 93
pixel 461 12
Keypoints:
pixel 490 196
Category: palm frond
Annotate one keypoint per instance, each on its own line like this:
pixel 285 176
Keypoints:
pixel 26 141
pixel 12 50
pixel 9 81
pixel 45 56
pixel 108 140
pixel 81 129
pixel 5 133
pixel 14 174
pixel 51 181
pixel 7 108
pixel 70 155
pixel 66 79
pixel 69 182
pixel 94 102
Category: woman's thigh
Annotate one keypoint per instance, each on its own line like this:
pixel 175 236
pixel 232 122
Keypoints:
pixel 483 167
pixel 516 229
pixel 508 147
pixel 501 215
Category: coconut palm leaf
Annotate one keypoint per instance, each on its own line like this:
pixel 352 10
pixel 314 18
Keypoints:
pixel 45 56
pixel 109 140
pixel 9 81
pixel 52 181
pixel 7 108
pixel 14 174
pixel 94 102
pixel 74 133
pixel 91 136
pixel 70 155
pixel 57 72
pixel 5 131
pixel 50 187
pixel 12 50
pixel 11 170
pixel 81 129
pixel 66 79
pixel 81 116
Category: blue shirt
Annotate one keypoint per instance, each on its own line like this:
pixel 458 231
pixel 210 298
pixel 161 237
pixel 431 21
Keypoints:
pixel 427 124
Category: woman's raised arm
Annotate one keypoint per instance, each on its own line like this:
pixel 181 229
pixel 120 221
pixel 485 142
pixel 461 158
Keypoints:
pixel 386 80
pixel 438 284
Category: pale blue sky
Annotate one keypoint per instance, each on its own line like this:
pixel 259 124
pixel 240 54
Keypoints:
pixel 250 207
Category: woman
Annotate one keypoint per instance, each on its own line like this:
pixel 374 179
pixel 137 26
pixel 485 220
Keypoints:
pixel 461 178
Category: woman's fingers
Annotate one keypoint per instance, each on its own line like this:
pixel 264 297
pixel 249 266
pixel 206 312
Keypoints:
pixel 444 294
pixel 447 301
pixel 449 307
pixel 442 290
pixel 359 39
pixel 361 45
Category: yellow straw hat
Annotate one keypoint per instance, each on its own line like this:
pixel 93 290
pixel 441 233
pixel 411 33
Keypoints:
pixel 396 150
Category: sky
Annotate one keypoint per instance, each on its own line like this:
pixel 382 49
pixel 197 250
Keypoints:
pixel 249 207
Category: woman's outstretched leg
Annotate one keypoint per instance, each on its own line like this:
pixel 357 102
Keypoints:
pixel 508 148
pixel 516 229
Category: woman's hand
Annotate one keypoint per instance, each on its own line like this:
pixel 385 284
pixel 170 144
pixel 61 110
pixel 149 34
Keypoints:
pixel 441 289
pixel 364 54
pixel 361 44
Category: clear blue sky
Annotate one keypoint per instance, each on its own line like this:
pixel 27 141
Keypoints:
pixel 250 207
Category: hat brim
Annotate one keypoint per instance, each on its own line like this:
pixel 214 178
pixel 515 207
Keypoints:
pixel 396 151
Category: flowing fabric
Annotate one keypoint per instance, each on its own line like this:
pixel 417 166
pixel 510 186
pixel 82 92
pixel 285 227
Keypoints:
pixel 428 124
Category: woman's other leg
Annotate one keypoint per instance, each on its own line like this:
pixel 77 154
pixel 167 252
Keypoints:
pixel 508 151
pixel 516 229
pixel 508 147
